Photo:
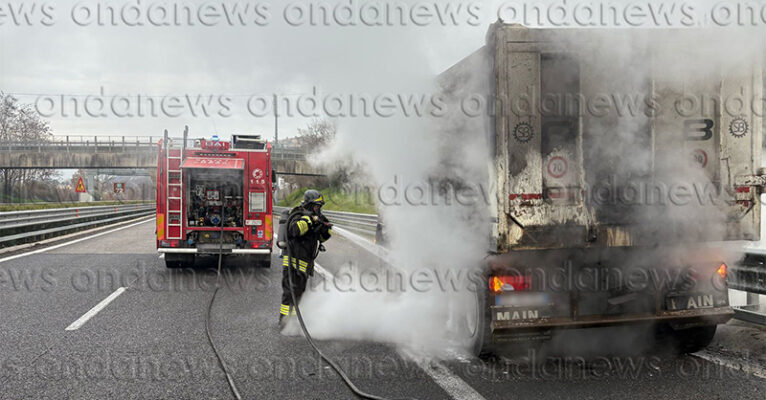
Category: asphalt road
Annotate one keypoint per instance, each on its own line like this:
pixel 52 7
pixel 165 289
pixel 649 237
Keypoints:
pixel 149 341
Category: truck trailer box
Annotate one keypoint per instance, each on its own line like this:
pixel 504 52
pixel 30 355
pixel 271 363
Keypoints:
pixel 611 151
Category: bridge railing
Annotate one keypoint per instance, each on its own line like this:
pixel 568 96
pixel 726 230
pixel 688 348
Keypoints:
pixel 119 144
pixel 93 144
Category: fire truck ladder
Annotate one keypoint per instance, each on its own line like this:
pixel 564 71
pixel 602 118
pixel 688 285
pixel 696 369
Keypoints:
pixel 174 156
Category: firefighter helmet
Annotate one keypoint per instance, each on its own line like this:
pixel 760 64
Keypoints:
pixel 312 197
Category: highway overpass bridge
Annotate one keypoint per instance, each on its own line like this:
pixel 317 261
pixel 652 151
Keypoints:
pixel 115 152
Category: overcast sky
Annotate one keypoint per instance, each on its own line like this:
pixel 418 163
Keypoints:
pixel 64 47
pixel 222 60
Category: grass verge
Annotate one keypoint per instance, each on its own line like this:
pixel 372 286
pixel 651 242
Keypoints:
pixel 336 200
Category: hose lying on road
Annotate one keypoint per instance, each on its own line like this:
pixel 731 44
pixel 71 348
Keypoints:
pixel 306 333
pixel 229 378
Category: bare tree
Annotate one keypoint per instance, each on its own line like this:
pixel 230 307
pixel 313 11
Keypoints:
pixel 317 134
pixel 21 123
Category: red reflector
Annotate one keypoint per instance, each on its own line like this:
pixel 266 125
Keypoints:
pixel 499 284
pixel 526 196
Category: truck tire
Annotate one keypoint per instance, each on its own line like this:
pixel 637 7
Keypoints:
pixel 691 340
pixel 482 345
pixel 179 260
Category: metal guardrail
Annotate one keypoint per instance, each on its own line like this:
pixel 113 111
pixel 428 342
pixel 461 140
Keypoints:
pixel 361 223
pixel 749 275
pixel 10 217
pixel 18 227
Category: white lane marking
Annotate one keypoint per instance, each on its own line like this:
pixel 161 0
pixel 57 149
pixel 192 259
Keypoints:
pixel 72 242
pixel 93 311
pixel 736 364
pixel 325 273
pixel 367 244
pixel 452 384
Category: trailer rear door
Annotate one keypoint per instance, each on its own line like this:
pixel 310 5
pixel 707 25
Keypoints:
pixel 595 147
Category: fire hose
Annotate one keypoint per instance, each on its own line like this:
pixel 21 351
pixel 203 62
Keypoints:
pixel 350 384
pixel 221 363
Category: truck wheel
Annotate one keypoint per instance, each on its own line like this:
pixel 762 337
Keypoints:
pixel 482 345
pixel 262 262
pixel 256 261
pixel 691 340
pixel 178 260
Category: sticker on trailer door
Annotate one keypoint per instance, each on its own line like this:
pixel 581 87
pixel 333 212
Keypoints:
pixel 738 127
pixel 700 158
pixel 523 132
pixel 557 167
pixel 698 129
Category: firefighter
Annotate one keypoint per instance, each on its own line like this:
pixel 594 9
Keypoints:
pixel 307 228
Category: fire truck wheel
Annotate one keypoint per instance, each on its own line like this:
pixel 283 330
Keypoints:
pixel 691 340
pixel 260 261
pixel 179 260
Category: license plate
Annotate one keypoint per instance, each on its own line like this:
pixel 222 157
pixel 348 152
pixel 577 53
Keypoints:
pixel 690 302
pixel 519 314
pixel 521 299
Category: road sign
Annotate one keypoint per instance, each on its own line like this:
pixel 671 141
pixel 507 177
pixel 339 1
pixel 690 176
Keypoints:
pixel 119 187
pixel 80 188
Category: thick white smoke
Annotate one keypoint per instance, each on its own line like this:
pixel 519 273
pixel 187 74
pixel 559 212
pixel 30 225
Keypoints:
pixel 435 238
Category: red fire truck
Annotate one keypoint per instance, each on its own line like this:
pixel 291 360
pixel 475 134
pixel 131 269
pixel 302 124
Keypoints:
pixel 212 196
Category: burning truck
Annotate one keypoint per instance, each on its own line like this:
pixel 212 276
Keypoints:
pixel 214 196
pixel 608 215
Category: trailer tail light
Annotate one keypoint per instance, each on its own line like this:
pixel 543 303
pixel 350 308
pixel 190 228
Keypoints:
pixel 723 270
pixel 510 283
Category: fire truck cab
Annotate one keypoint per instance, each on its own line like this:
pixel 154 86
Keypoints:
pixel 214 196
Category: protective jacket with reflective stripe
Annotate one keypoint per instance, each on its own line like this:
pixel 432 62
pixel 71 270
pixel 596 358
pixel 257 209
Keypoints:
pixel 303 237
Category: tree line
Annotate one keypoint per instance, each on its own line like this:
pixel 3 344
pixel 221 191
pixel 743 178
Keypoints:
pixel 21 123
